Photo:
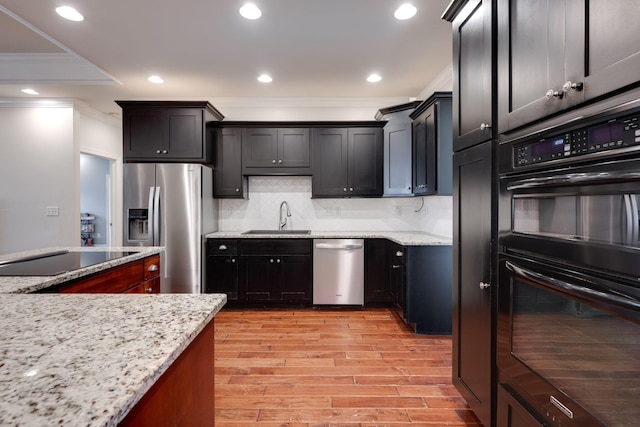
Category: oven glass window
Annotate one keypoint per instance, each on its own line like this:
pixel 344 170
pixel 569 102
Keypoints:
pixel 607 218
pixel 592 356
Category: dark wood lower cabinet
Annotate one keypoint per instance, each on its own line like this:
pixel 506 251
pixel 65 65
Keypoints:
pixel 511 413
pixel 275 271
pixel 140 276
pixel 184 394
pixel 376 267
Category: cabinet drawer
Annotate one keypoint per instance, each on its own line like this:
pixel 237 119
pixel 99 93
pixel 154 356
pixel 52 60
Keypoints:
pixel 275 246
pixel 222 247
pixel 114 280
pixel 151 267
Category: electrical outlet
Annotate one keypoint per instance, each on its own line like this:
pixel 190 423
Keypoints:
pixel 53 211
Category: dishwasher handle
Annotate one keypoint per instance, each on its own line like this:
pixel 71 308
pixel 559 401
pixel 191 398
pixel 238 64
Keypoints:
pixel 337 246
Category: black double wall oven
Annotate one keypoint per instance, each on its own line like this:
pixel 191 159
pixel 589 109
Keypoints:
pixel 568 324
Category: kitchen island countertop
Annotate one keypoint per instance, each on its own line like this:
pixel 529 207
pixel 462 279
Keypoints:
pixel 406 238
pixel 28 284
pixel 88 359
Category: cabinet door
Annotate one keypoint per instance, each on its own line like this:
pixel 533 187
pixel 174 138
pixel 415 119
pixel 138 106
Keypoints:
pixel 142 132
pixel 397 159
pixel 365 162
pixel 397 283
pixel 183 133
pixel 425 142
pixel 531 42
pixel 472 312
pixel 510 413
pixel 376 272
pixel 602 45
pixel 222 276
pixel 227 173
pixel 330 165
pixel 295 276
pixel 259 278
pixel 260 147
pixel 294 148
pixel 472 75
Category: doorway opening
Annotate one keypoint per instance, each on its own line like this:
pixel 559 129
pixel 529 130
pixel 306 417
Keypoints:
pixel 96 200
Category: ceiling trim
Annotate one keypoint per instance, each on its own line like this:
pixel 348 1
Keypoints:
pixel 78 58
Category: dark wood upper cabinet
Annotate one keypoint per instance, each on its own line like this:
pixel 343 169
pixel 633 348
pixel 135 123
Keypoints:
pixel 432 146
pixel 473 120
pixel 168 131
pixel 556 55
pixel 227 173
pixel 347 162
pixel 275 148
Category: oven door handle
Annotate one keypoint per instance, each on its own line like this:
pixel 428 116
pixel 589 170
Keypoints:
pixel 574 179
pixel 583 291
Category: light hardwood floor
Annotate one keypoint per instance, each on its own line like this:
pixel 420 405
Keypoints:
pixel 332 368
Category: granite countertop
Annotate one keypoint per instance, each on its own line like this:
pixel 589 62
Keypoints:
pixel 88 359
pixel 406 238
pixel 27 284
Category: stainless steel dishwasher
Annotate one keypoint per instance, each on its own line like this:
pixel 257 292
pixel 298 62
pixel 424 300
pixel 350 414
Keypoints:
pixel 338 271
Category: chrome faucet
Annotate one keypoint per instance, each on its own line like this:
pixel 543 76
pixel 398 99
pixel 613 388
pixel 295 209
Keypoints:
pixel 282 222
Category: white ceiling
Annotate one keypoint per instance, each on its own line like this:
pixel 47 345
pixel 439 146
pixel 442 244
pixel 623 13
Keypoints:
pixel 204 50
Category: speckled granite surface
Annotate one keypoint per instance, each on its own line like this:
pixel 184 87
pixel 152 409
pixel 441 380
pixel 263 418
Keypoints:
pixel 26 284
pixel 407 238
pixel 88 359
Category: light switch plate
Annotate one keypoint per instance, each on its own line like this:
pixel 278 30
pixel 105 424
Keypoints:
pixel 53 211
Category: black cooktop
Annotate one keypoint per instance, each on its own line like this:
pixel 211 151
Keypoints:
pixel 54 263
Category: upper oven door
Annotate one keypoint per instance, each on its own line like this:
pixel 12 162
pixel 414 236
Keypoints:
pixel 587 216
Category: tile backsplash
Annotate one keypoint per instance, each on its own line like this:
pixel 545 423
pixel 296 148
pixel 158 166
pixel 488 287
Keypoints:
pixel 260 210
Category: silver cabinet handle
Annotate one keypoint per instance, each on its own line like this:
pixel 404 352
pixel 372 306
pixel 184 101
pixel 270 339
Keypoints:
pixel 278 260
pixel 273 161
pixel 271 261
pixel 399 253
pixel 233 260
pixel 158 151
pixel 396 266
pixel 149 290
pixel 485 126
pixel 484 285
pixel 344 189
pixel 554 94
pixel 237 190
pixel 164 151
pixel 568 86
pixel 152 268
pixel 279 161
pixel 222 247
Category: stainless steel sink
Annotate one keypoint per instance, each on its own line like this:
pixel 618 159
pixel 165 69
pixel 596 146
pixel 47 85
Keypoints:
pixel 277 232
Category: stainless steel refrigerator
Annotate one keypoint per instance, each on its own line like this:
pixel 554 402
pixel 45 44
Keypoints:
pixel 171 205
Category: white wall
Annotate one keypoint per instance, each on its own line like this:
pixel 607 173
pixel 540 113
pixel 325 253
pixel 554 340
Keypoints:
pixel 40 143
pixel 36 171
pixel 260 210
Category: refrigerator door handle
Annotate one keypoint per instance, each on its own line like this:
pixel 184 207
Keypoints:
pixel 156 217
pixel 151 214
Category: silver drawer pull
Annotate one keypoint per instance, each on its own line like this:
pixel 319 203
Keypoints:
pixel 152 268
pixel 222 247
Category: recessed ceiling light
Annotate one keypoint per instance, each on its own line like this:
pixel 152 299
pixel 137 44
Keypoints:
pixel 405 11
pixel 373 78
pixel 29 91
pixel 155 79
pixel 67 12
pixel 250 11
pixel 265 78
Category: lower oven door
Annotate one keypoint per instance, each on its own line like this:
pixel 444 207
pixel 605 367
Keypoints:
pixel 569 343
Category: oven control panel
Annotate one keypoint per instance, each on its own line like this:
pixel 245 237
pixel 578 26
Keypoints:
pixel 615 133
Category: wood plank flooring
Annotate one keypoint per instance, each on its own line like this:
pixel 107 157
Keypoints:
pixel 324 367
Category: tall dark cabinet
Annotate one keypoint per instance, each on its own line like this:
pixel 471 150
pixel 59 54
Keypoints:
pixel 474 205
pixel 228 181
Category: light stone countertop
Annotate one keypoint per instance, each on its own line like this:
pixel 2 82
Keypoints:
pixel 27 284
pixel 406 238
pixel 88 359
